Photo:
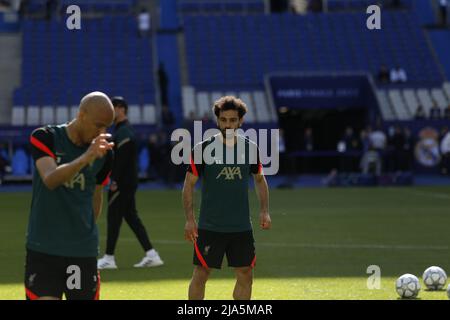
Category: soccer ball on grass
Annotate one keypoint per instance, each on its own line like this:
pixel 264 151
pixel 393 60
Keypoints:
pixel 407 286
pixel 434 278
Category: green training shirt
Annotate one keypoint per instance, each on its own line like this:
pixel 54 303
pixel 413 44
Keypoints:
pixel 224 199
pixel 62 221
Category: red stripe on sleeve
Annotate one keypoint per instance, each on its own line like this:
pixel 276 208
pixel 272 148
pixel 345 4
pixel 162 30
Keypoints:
pixel 97 293
pixel 193 167
pixel 253 262
pixel 31 295
pixel 106 181
pixel 199 256
pixel 260 168
pixel 38 144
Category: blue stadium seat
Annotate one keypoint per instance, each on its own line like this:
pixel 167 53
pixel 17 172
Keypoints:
pixel 100 56
pixel 319 42
pixel 144 160
pixel 20 163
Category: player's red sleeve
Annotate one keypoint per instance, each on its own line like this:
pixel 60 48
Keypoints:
pixel 41 141
pixel 194 168
pixel 257 167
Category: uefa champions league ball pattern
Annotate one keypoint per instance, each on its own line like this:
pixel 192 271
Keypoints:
pixel 434 278
pixel 407 286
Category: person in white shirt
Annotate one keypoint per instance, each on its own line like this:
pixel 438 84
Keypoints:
pixel 371 162
pixel 393 77
pixel 401 75
pixel 144 23
pixel 378 140
pixel 398 75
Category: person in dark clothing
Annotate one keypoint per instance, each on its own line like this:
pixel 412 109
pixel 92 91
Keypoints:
pixel 397 142
pixel 167 117
pixel 307 144
pixel 350 139
pixel 435 113
pixel 50 7
pixel 315 6
pixel 278 6
pixel 420 113
pixel 351 143
pixel 383 75
pixel 443 7
pixel 447 113
pixel 445 150
pixel 396 4
pixel 163 84
pixel 408 150
pixel 124 182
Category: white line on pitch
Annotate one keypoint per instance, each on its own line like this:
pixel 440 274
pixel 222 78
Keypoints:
pixel 435 195
pixel 316 246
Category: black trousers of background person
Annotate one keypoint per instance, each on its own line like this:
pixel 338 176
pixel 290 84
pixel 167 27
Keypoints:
pixel 122 205
pixel 443 14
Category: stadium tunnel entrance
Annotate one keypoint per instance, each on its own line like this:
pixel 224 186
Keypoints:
pixel 312 137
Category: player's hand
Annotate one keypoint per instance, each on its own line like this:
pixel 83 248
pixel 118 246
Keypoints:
pixel 264 220
pixel 190 231
pixel 99 147
pixel 113 187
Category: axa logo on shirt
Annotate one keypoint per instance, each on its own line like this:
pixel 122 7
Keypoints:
pixel 230 172
pixel 78 179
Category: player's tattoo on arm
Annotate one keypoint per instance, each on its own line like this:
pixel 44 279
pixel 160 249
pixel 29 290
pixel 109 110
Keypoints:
pixel 188 196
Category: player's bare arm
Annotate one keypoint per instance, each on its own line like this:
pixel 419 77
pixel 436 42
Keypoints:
pixel 190 228
pixel 98 201
pixel 262 190
pixel 53 175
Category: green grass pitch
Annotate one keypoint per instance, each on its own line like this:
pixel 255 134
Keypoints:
pixel 320 246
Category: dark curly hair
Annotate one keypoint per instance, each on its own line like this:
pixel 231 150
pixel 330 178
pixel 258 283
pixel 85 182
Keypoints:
pixel 230 103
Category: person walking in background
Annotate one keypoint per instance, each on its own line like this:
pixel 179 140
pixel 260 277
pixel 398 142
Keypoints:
pixel 124 183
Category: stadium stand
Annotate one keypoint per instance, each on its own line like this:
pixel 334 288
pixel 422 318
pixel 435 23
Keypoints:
pixel 227 47
pixel 20 163
pixel 423 9
pixel 386 110
pixel 199 103
pixel 402 103
pixel 446 88
pixel 97 6
pixel 399 105
pixel 352 5
pixel 213 7
pixel 441 44
pixel 107 56
pixel 411 101
pixel 168 54
pixel 320 42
